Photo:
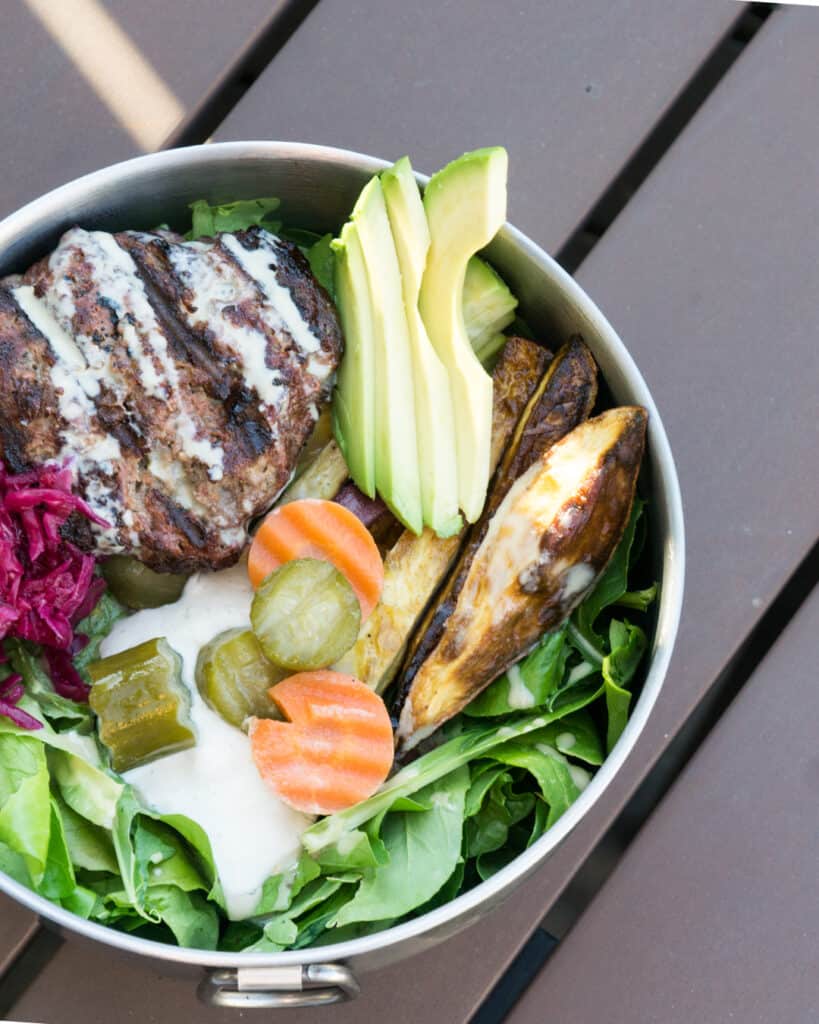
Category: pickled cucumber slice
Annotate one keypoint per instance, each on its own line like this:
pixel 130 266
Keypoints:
pixel 305 615
pixel 233 676
pixel 142 705
pixel 137 586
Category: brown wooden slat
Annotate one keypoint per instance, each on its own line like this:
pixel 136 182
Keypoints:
pixel 55 127
pixel 17 927
pixel 571 89
pixel 711 916
pixel 703 277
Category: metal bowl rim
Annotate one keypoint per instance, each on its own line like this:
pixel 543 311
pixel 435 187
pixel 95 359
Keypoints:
pixel 673 557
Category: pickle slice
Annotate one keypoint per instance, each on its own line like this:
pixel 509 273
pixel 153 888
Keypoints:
pixel 142 705
pixel 305 615
pixel 233 676
pixel 137 586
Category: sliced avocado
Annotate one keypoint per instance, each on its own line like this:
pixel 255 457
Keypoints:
pixel 354 398
pixel 488 304
pixel 489 352
pixel 395 438
pixel 434 421
pixel 465 204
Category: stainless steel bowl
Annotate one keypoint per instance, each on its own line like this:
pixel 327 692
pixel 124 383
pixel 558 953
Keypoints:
pixel 317 187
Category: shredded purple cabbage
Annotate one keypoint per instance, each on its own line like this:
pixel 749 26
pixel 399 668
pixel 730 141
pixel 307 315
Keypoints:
pixel 11 690
pixel 47 584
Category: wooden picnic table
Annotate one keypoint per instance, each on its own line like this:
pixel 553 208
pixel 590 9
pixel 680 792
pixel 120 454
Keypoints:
pixel 709 272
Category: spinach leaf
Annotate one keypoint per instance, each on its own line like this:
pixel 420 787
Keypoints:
pixel 527 684
pixel 475 741
pixel 279 891
pixel 575 735
pixel 549 768
pixel 614 581
pixel 322 259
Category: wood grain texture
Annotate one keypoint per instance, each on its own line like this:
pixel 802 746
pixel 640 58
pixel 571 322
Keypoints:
pixel 711 278
pixel 711 916
pixel 17 926
pixel 56 127
pixel 571 89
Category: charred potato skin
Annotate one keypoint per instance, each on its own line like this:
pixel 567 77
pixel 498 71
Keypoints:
pixel 563 399
pixel 585 531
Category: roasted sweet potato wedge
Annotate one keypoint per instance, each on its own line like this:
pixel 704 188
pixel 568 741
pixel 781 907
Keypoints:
pixel 548 542
pixel 415 567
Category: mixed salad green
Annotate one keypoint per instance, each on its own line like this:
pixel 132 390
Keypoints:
pixel 506 769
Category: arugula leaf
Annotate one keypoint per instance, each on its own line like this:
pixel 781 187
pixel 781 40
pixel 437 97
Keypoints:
pixel 628 643
pixel 209 219
pixel 640 600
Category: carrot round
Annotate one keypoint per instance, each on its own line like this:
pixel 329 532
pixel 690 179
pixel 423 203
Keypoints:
pixel 336 747
pixel 312 528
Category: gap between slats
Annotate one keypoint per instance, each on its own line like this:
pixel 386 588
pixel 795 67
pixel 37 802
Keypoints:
pixel 38 947
pixel 231 87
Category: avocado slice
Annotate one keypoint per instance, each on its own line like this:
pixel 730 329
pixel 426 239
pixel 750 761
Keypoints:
pixel 434 420
pixel 397 477
pixel 354 398
pixel 465 204
pixel 488 305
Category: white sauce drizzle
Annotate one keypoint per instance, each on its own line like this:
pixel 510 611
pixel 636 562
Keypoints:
pixel 215 285
pixel 520 696
pixel 77 384
pixel 253 834
pixel 580 777
pixel 115 275
pixel 579 577
pixel 280 310
pixel 565 741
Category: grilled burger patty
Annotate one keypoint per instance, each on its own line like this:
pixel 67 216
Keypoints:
pixel 180 379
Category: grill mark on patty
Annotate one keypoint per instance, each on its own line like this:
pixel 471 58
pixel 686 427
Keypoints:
pixel 252 431
pixel 249 431
pixel 183 521
pixel 160 502
pixel 162 289
pixel 119 422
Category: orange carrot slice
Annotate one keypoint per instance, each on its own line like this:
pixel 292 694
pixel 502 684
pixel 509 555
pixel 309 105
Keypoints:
pixel 335 750
pixel 312 528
